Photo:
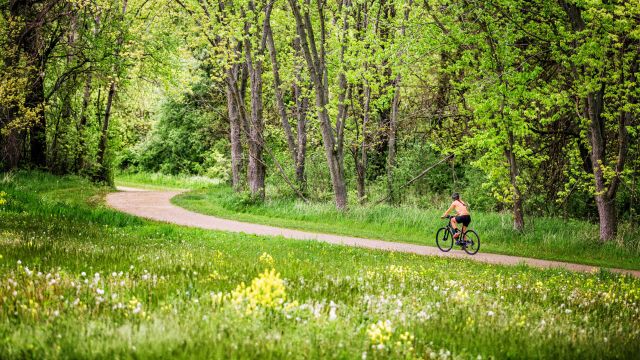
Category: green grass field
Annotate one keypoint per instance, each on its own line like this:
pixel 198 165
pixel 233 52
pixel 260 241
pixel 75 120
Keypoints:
pixel 78 280
pixel 544 238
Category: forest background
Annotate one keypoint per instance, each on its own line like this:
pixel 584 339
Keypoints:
pixel 529 107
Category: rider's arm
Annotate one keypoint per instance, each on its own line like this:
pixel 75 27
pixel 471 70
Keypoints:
pixel 448 211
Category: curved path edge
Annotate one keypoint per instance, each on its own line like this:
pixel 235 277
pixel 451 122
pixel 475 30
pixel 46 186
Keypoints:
pixel 156 205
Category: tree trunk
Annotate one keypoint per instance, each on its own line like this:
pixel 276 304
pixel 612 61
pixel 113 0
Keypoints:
pixel 103 171
pixel 391 152
pixel 518 214
pixel 393 119
pixel 235 127
pixel 82 146
pixel 277 87
pixel 361 166
pixel 319 78
pixel 37 133
pixel 302 104
pixel 256 168
pixel 607 217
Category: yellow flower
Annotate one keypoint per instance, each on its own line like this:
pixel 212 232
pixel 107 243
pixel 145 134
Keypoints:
pixel 266 259
pixel 380 333
pixel 267 290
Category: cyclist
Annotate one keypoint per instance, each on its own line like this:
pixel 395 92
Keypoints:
pixel 462 215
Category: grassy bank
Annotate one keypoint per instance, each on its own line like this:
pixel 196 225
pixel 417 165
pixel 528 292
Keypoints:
pixel 158 181
pixel 544 238
pixel 78 280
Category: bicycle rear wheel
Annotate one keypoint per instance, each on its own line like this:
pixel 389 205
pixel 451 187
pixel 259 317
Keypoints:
pixel 444 240
pixel 472 240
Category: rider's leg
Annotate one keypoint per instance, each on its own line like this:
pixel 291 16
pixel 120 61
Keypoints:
pixel 454 225
pixel 464 229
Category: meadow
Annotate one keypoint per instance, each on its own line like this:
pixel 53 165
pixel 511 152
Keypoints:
pixel 78 280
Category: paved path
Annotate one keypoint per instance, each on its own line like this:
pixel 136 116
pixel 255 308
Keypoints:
pixel 156 205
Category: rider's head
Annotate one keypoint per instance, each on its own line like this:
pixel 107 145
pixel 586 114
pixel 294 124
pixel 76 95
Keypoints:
pixel 455 196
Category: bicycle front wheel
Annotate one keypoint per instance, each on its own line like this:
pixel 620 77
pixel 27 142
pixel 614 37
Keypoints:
pixel 444 240
pixel 472 242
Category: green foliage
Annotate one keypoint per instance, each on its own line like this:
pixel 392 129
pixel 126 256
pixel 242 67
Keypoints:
pixel 185 140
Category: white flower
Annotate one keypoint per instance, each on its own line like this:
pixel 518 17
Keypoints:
pixel 490 313
pixel 114 274
pixel 19 262
pixel 56 313
pixel 332 314
pixel 100 291
pixel 83 274
pixel 14 293
pixel 567 311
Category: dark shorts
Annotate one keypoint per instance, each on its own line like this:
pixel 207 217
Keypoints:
pixel 465 220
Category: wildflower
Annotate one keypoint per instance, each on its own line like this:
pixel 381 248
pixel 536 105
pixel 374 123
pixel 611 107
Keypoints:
pixel 14 293
pixel 490 313
pixel 267 290
pixel 266 259
pixel 83 274
pixel 56 313
pixel 99 291
pixel 379 333
pixel 332 311
pixel 19 262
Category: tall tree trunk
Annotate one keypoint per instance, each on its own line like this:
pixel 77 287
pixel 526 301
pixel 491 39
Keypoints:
pixel 235 128
pixel 391 152
pixel 256 169
pixel 37 132
pixel 82 124
pixel 277 87
pixel 103 172
pixel 393 118
pixel 361 165
pixel 302 104
pixel 315 58
pixel 518 214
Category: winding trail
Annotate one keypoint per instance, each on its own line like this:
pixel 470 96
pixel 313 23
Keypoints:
pixel 156 205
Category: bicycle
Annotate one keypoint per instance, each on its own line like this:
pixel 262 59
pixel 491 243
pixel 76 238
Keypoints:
pixel 470 242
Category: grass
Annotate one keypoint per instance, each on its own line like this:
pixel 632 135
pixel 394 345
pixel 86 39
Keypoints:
pixel 78 280
pixel 545 238
pixel 158 181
